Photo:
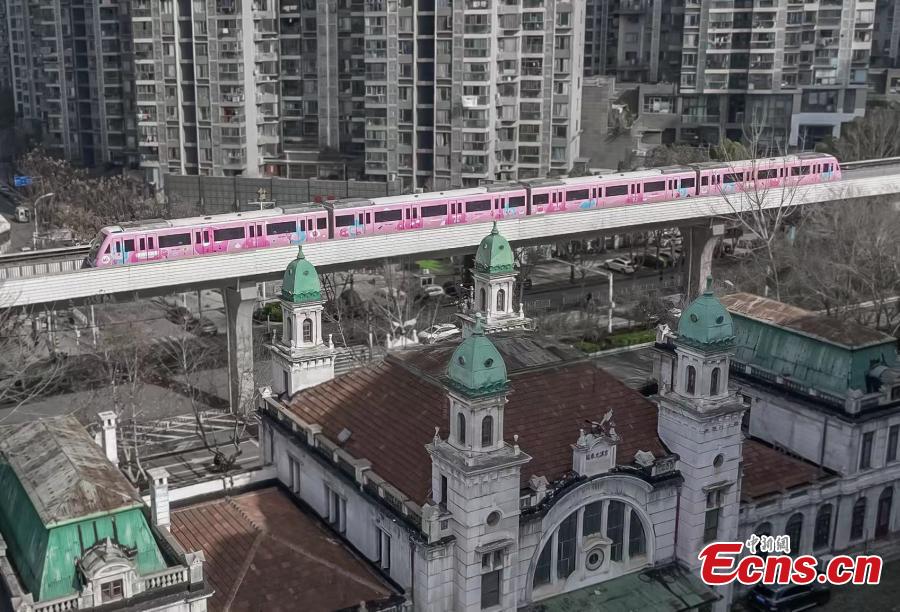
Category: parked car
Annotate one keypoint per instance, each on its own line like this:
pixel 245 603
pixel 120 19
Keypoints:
pixel 202 327
pixel 179 315
pixel 429 292
pixel 619 264
pixel 788 597
pixel 649 260
pixel 436 333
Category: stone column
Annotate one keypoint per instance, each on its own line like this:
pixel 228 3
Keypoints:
pixel 698 243
pixel 239 304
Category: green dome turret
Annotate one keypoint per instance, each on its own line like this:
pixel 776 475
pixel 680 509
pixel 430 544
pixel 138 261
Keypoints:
pixel 494 254
pixel 706 323
pixel 477 368
pixel 301 281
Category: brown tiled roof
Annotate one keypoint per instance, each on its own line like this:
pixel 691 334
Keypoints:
pixel 768 471
pixel 391 411
pixel 837 331
pixel 264 553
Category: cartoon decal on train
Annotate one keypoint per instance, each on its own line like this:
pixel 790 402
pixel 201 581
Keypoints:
pixel 148 241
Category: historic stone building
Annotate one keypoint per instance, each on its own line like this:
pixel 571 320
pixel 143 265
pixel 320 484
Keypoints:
pixel 74 533
pixel 506 469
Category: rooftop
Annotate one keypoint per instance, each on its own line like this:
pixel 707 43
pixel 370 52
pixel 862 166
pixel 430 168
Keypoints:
pixel 264 553
pixel 768 471
pixel 842 332
pixel 392 409
pixel 63 471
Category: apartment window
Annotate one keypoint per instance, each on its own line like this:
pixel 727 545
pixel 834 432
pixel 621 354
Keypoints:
pixel 337 510
pixel 893 433
pixel 865 451
pixel 111 591
pixel 384 550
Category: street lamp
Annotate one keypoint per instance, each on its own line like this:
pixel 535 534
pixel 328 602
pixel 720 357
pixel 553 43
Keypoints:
pixel 34 237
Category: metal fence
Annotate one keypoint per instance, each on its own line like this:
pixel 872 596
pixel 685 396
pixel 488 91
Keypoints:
pixel 195 195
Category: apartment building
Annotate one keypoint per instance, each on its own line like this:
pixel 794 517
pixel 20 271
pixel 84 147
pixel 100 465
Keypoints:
pixel 5 65
pixel 787 72
pixel 72 76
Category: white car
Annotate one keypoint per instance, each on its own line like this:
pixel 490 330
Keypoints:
pixel 433 291
pixel 618 264
pixel 436 333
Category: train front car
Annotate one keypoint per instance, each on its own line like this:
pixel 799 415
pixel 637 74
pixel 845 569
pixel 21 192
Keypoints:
pixel 91 259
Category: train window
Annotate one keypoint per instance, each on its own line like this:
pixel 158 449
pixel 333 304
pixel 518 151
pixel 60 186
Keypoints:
pixel 150 242
pixel 540 198
pixel 478 206
pixel 143 244
pixel 436 210
pixel 228 233
pixel 198 238
pixel 804 169
pixel 616 190
pixel 303 225
pixel 282 227
pixel 389 215
pixel 767 174
pixel 321 223
pixel 704 181
pixel 826 167
pixel 734 177
pixel 654 186
pixel 687 182
pixel 129 245
pixel 578 194
pixel 174 240
pixel 343 221
pixel 517 202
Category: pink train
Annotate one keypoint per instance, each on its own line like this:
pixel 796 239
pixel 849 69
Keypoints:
pixel 148 241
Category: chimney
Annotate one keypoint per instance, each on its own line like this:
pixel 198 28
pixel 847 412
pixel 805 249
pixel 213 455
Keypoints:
pixel 159 496
pixel 108 436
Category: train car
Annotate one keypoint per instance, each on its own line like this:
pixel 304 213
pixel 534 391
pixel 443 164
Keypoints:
pixel 156 240
pixel 792 170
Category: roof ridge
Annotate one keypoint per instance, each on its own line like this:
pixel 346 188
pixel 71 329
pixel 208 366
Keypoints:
pixel 245 567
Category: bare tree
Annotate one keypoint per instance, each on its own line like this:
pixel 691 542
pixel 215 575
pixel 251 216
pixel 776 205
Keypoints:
pixel 183 359
pixel 847 255
pixel 874 136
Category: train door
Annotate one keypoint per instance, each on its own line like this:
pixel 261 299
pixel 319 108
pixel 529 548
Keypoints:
pixel 634 192
pixel 146 248
pixel 203 241
pixel 116 252
pixel 411 218
pixel 456 213
pixel 257 237
pixel 500 209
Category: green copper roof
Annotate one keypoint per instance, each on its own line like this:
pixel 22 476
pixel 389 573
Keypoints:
pixel 301 281
pixel 58 497
pixel 706 323
pixel 477 368
pixel 494 254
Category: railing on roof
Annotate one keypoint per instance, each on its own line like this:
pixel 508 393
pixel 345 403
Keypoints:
pixel 166 578
pixel 61 604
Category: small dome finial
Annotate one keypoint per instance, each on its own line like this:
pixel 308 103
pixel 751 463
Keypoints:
pixel 478 330
pixel 300 254
pixel 495 230
pixel 709 285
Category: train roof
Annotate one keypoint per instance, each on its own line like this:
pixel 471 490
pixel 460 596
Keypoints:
pixel 348 203
pixel 157 224
pixel 431 195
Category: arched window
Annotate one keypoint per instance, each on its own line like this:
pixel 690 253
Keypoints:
pixel 461 427
pixel 501 300
pixel 307 330
pixel 794 529
pixel 487 431
pixel 289 333
pixel 637 542
pixel 566 547
pixel 615 528
pixel 714 382
pixel 858 519
pixel 542 569
pixel 822 534
pixel 691 381
pixel 482 300
pixel 763 529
